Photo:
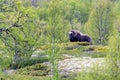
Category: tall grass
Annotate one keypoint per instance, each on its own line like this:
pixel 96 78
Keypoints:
pixel 53 53
pixel 114 55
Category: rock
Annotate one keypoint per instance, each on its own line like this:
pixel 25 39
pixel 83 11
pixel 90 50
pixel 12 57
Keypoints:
pixel 9 71
pixel 75 65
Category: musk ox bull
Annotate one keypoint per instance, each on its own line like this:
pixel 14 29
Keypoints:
pixel 77 36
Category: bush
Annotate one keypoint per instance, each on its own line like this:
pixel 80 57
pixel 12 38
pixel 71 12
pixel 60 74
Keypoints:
pixel 35 70
pixel 27 62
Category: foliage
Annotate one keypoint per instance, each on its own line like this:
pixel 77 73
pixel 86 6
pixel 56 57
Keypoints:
pixel 35 70
pixel 114 54
pixel 99 24
pixel 76 12
pixel 5 60
pixel 20 33
pixel 93 75
pixel 26 25
pixel 23 77
pixel 98 48
pixel 28 62
pixel 54 29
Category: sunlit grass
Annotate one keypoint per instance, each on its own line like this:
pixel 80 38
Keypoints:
pixel 79 48
pixel 34 70
pixel 70 48
pixel 22 77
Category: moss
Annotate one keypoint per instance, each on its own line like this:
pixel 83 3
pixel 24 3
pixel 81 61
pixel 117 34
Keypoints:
pixel 35 70
pixel 96 75
pixel 22 77
pixel 102 48
pixel 44 47
pixel 98 48
pixel 64 45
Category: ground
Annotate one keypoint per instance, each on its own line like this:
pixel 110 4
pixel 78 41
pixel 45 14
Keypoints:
pixel 73 60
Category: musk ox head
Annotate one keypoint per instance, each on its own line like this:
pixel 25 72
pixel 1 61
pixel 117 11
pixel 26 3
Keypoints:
pixel 74 36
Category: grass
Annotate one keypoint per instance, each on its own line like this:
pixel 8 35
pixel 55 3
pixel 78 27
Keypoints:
pixel 34 69
pixel 22 77
pixel 28 62
pixel 93 76
pixel 80 49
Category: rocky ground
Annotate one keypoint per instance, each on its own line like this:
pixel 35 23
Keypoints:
pixel 73 65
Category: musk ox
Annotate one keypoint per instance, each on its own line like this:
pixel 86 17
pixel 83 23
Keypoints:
pixel 77 36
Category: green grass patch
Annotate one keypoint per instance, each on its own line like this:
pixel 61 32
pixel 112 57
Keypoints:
pixel 22 77
pixel 80 49
pixel 73 45
pixel 63 45
pixel 28 62
pixel 35 70
pixel 92 76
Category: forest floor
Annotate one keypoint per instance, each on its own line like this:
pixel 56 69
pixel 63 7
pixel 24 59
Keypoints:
pixel 73 65
pixel 73 60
